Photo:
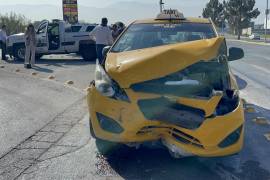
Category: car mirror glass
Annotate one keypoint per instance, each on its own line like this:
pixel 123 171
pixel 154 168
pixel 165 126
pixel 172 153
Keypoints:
pixel 235 54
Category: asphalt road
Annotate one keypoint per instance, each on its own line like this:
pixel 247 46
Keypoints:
pixel 45 133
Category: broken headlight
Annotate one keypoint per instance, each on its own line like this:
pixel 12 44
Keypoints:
pixel 228 103
pixel 108 87
pixel 103 82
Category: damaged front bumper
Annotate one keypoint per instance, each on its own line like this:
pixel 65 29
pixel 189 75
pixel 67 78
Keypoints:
pixel 182 94
pixel 127 124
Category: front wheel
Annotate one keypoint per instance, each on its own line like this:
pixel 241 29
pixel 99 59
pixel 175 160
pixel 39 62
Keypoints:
pixel 19 52
pixel 104 147
pixel 38 56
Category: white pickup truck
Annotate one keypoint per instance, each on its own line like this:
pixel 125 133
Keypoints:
pixel 56 37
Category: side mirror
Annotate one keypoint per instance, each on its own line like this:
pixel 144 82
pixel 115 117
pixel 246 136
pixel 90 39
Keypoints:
pixel 235 54
pixel 105 50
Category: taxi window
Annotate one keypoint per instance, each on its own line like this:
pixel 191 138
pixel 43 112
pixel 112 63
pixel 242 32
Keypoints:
pixel 140 36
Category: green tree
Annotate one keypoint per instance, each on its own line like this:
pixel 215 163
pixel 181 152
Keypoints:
pixel 15 23
pixel 239 14
pixel 214 10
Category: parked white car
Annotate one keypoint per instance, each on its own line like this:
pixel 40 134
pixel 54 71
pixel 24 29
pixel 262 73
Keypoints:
pixel 255 37
pixel 56 37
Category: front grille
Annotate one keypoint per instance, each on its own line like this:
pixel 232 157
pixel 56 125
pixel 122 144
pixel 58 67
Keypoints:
pixel 186 139
pixel 164 110
pixel 175 133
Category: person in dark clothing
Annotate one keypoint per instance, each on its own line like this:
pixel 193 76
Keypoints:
pixel 121 28
pixel 114 31
pixel 3 40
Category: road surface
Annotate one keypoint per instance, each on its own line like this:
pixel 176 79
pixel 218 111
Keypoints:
pixel 45 134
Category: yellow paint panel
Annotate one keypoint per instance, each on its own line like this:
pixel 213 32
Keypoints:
pixel 131 67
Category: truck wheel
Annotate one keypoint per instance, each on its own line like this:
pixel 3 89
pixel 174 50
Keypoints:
pixel 19 52
pixel 88 52
pixel 38 56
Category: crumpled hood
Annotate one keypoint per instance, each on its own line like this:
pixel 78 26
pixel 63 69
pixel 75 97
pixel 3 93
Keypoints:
pixel 132 67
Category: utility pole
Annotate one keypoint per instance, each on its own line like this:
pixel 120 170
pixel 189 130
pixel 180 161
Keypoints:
pixel 161 4
pixel 266 20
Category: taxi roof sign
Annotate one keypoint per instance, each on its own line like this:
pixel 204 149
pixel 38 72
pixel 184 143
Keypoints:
pixel 171 14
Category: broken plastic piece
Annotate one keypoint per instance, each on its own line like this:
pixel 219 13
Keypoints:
pixel 250 109
pixel 267 136
pixel 261 121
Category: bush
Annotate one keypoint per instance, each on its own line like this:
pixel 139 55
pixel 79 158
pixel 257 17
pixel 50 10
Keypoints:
pixel 15 23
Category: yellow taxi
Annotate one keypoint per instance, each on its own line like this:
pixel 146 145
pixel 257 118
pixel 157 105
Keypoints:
pixel 168 80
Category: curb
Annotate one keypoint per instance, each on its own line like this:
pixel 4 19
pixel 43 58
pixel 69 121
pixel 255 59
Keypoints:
pixel 248 42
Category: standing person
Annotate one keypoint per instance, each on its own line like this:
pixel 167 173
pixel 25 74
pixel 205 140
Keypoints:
pixel 103 37
pixel 30 44
pixel 121 28
pixel 114 31
pixel 3 40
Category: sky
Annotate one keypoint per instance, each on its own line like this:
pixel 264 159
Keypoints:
pixel 183 5
pixel 96 3
pixel 103 3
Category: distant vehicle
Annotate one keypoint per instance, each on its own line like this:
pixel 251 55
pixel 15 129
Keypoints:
pixel 255 37
pixel 56 37
pixel 168 79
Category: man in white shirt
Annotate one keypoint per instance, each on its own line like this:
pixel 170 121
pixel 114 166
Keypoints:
pixel 103 36
pixel 3 40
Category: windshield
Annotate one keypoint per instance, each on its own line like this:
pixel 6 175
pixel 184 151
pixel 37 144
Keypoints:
pixel 140 36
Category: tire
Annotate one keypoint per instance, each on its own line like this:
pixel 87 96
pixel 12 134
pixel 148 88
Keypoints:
pixel 88 52
pixel 105 148
pixel 19 52
pixel 38 56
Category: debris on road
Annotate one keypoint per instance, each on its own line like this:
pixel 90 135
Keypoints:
pixel 261 121
pixel 51 77
pixel 17 70
pixel 2 66
pixel 267 136
pixel 103 168
pixel 69 82
pixel 34 73
pixel 250 109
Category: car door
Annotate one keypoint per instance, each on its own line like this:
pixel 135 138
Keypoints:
pixel 72 37
pixel 42 37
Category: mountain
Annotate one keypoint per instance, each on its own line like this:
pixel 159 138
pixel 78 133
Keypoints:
pixel 126 11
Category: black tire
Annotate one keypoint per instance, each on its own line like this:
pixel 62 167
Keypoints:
pixel 88 52
pixel 104 147
pixel 38 56
pixel 19 52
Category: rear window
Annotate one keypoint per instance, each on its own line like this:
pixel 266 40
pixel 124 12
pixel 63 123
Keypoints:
pixel 73 29
pixel 90 28
pixel 140 36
